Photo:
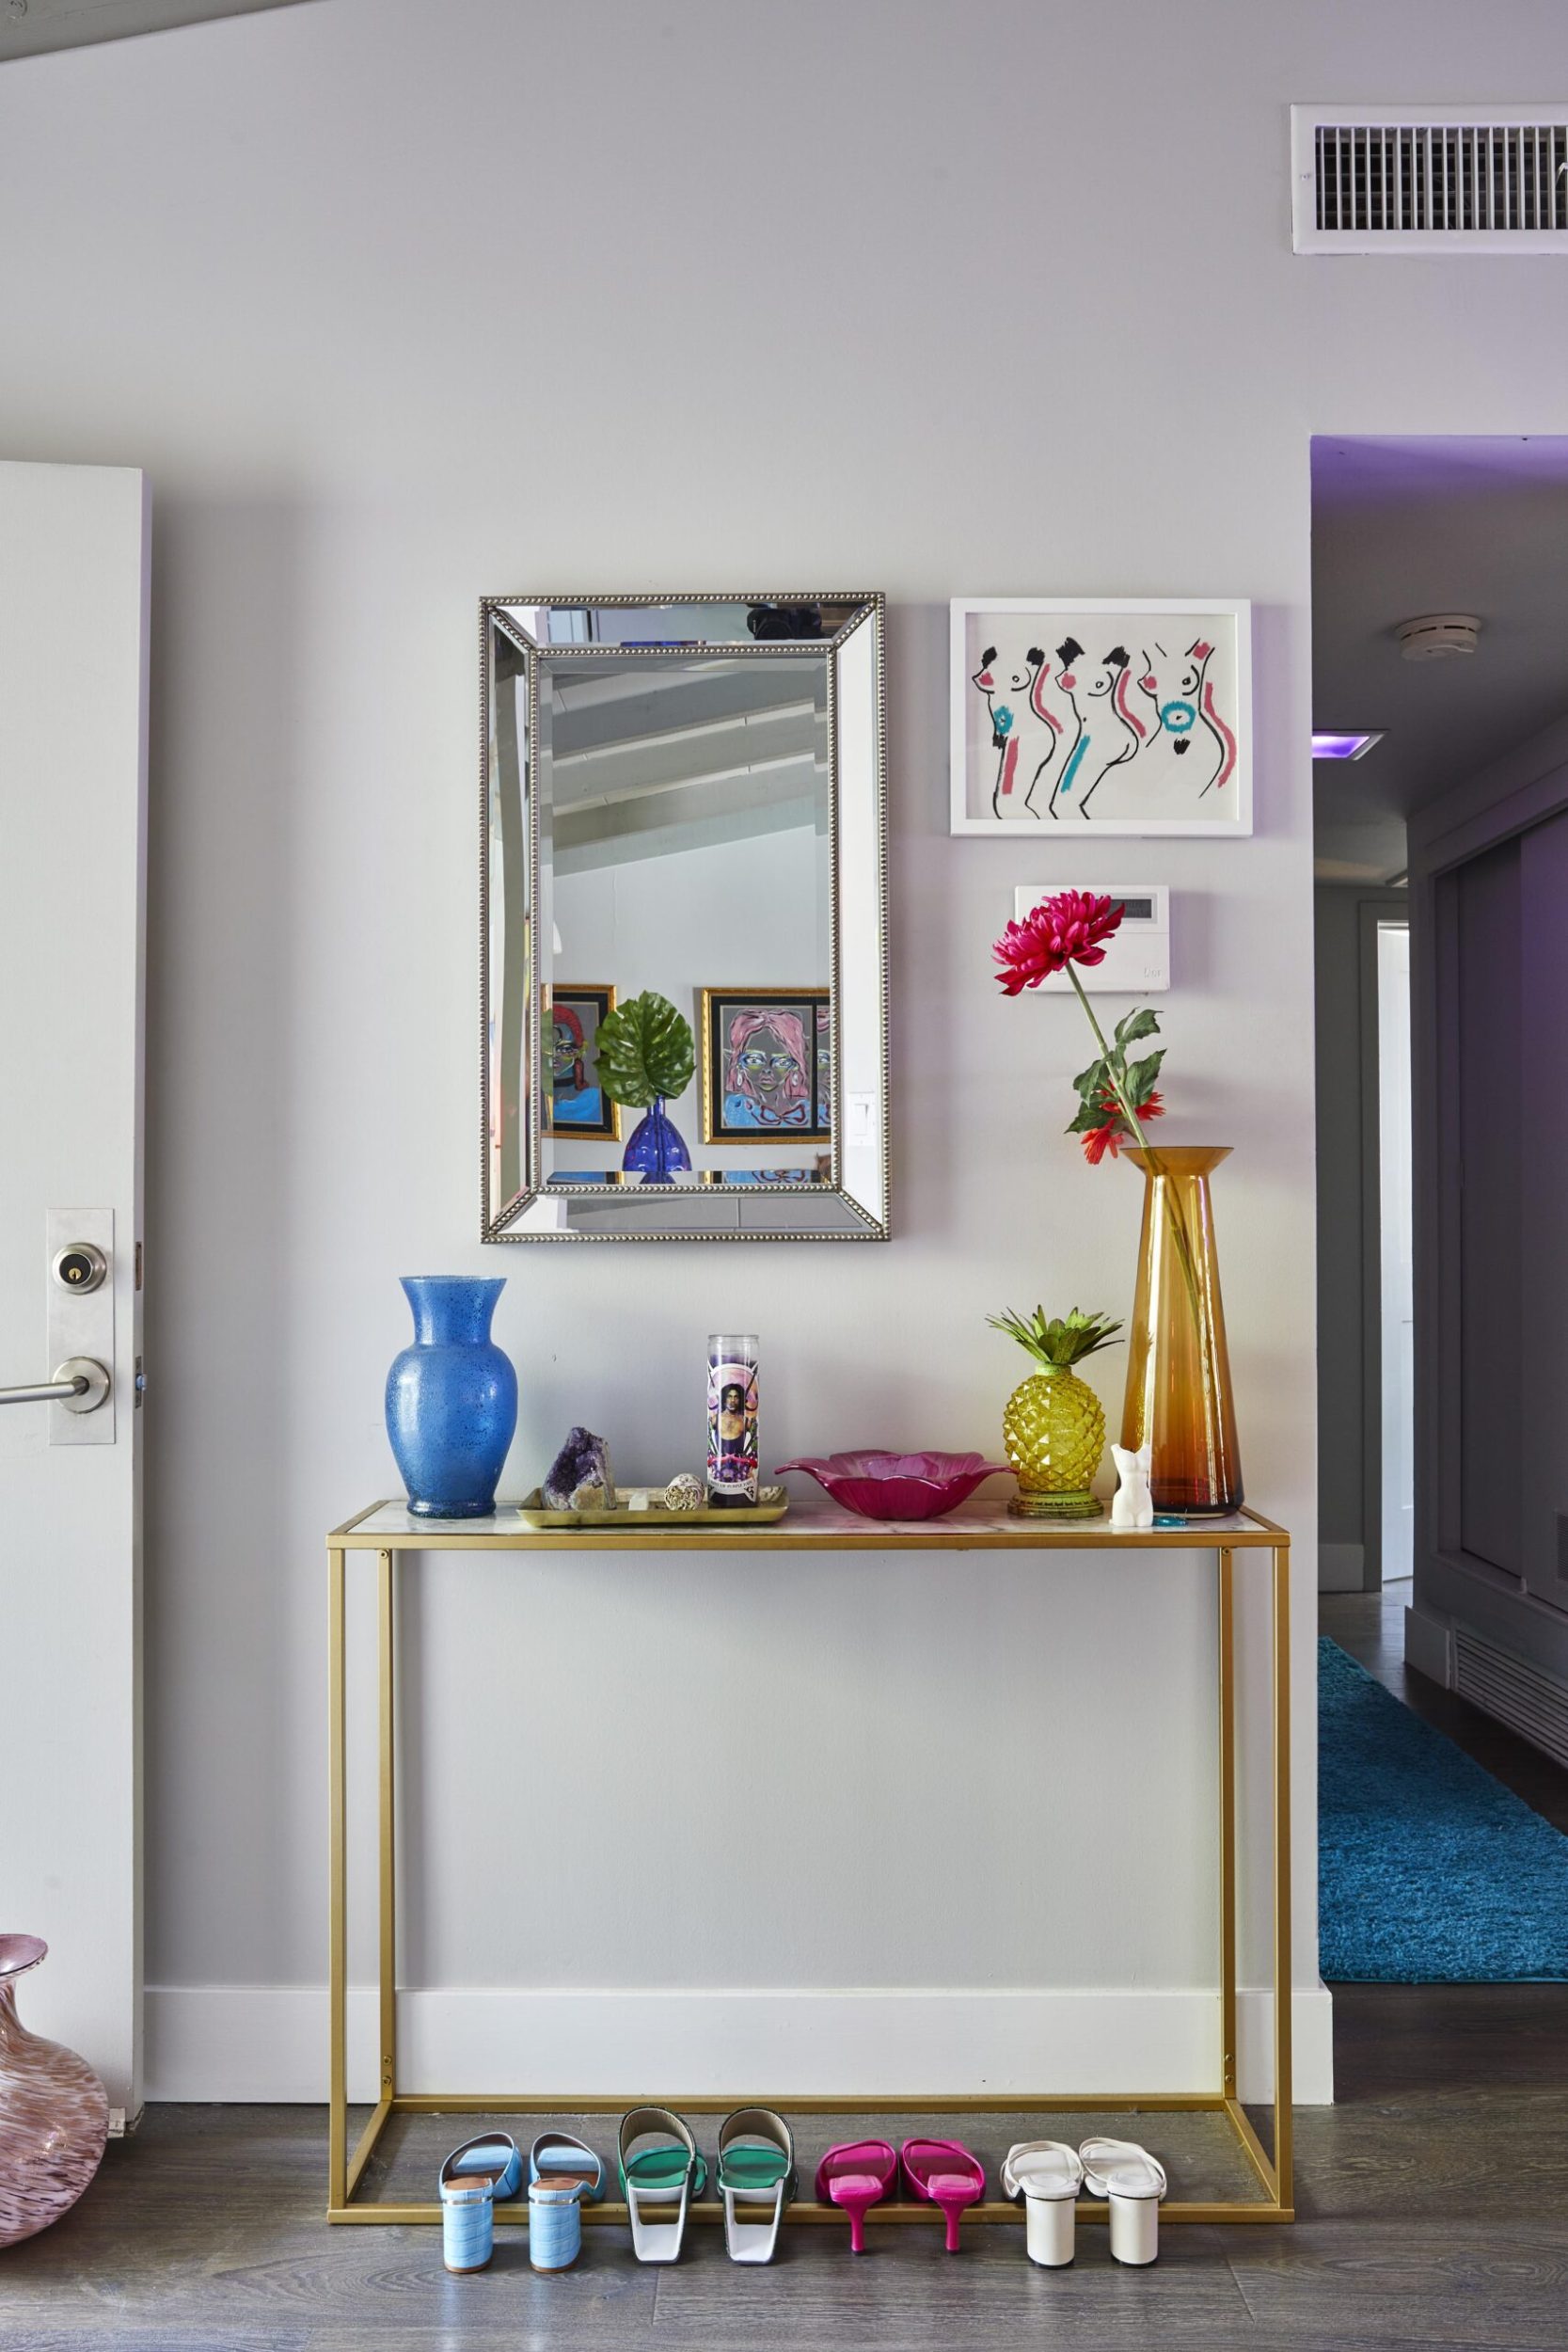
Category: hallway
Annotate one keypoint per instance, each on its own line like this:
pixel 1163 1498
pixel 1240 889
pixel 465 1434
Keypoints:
pixel 1371 1626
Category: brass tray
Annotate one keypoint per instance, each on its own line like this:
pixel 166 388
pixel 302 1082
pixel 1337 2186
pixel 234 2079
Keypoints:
pixel 535 1512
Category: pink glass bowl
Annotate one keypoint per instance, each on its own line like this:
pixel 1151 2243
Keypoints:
pixel 898 1485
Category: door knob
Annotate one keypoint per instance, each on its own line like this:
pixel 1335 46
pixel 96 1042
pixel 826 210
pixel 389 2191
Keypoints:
pixel 80 1384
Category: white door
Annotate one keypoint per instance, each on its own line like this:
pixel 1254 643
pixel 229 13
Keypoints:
pixel 73 547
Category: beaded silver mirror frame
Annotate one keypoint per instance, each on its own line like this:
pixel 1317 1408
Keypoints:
pixel 526 641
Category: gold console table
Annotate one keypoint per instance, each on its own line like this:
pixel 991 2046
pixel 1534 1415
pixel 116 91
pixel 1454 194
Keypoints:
pixel 388 1529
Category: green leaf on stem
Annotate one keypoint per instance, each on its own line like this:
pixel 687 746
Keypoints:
pixel 1143 1023
pixel 1141 1076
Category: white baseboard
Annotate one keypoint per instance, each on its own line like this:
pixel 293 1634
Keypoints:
pixel 263 2043
pixel 1341 1568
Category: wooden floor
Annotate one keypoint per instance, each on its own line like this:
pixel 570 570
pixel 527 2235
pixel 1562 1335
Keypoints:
pixel 1434 2203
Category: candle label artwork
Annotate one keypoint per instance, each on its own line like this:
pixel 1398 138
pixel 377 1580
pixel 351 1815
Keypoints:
pixel 732 1420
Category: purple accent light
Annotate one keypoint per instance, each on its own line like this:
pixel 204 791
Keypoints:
pixel 1355 744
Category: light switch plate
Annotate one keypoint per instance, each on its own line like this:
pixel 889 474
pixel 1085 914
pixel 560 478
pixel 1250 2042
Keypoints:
pixel 78 1324
pixel 1137 960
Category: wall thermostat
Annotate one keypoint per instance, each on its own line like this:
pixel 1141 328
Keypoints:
pixel 1137 960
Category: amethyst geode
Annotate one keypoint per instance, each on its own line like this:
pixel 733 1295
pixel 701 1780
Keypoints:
pixel 579 1475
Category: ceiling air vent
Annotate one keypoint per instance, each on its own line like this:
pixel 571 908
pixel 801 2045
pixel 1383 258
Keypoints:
pixel 1376 180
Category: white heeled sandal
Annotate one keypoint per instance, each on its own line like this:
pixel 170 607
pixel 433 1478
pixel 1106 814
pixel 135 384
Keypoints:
pixel 1132 2183
pixel 660 2172
pixel 1048 2176
pixel 755 2177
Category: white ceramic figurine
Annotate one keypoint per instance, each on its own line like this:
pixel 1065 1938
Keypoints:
pixel 1132 1506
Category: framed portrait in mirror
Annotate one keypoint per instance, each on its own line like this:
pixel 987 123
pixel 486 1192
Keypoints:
pixel 575 1102
pixel 767 1064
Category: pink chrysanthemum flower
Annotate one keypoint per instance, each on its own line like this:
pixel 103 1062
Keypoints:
pixel 1072 927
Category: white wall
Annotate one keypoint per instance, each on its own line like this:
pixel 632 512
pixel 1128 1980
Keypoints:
pixel 392 303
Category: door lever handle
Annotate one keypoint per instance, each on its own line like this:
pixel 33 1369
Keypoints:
pixel 80 1384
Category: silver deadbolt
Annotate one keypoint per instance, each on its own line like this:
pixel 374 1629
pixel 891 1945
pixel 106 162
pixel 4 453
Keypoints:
pixel 80 1267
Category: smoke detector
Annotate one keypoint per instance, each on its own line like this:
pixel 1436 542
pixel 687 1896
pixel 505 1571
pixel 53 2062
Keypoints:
pixel 1437 636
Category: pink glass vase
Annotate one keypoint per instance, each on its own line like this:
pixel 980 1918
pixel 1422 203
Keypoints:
pixel 54 2113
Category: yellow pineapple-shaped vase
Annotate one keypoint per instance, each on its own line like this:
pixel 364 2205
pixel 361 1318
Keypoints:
pixel 1054 1426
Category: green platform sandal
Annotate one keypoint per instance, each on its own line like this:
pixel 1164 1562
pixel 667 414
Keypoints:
pixel 659 2170
pixel 756 2181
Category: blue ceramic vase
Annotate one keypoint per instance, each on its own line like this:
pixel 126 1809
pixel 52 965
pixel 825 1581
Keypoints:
pixel 656 1151
pixel 452 1398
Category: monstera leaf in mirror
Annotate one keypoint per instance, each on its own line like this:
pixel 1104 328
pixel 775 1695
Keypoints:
pixel 646 1058
pixel 684 833
pixel 645 1051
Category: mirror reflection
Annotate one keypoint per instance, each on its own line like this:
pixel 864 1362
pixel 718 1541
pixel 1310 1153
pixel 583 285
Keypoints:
pixel 689 856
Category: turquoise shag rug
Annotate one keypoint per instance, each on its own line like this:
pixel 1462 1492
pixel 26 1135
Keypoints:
pixel 1429 1872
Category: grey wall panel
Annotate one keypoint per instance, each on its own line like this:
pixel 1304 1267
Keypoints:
pixel 1486 867
pixel 1544 1205
pixel 1484 911
pixel 1342 1395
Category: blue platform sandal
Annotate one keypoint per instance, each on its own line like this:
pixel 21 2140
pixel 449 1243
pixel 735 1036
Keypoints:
pixel 564 2175
pixel 560 2158
pixel 495 2152
pixel 467 2222
pixel 472 2177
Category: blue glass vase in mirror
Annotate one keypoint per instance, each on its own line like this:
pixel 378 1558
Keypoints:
pixel 656 1151
pixel 452 1398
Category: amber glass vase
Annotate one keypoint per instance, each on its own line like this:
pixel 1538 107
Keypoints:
pixel 1179 1399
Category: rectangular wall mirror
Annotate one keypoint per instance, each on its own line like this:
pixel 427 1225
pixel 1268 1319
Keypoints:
pixel 684 798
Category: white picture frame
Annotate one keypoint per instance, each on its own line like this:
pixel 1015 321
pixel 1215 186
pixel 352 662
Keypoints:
pixel 1134 733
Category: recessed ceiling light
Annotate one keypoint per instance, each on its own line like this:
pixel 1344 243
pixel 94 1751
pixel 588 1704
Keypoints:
pixel 1345 743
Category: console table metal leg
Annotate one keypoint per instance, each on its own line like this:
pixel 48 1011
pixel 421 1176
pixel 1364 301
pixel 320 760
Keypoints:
pixel 387 1608
pixel 1283 1970
pixel 337 2112
pixel 1227 1824
pixel 1272 2166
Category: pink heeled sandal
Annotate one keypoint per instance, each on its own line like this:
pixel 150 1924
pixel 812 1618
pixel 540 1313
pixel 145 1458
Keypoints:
pixel 857 2174
pixel 944 2172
